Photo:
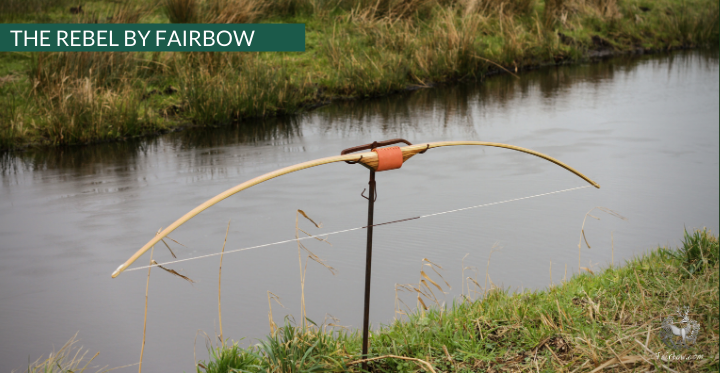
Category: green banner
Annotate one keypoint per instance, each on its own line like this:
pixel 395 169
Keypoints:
pixel 134 37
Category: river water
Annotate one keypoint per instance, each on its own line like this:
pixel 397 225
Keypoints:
pixel 646 129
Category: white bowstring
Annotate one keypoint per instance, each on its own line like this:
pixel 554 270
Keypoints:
pixel 506 201
pixel 320 236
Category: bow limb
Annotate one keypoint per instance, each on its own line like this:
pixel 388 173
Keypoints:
pixel 367 159
pixel 409 151
pixel 236 189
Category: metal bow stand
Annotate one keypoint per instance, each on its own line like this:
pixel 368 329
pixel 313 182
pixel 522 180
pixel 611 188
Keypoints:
pixel 368 253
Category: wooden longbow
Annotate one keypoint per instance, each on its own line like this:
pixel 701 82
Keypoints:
pixel 368 159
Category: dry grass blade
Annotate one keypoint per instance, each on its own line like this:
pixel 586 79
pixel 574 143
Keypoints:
pixel 612 250
pixel 120 367
pixel 308 218
pixel 582 229
pixel 311 255
pixel 462 275
pixel 168 247
pixel 421 302
pixel 447 354
pixel 420 292
pixel 315 237
pixel 168 237
pixel 423 282
pixel 487 269
pixel 64 359
pixel 498 65
pixel 431 263
pixel 585 238
pixel 611 212
pixel 404 287
pixel 317 259
pixel 477 285
pixel 222 253
pixel 441 276
pixel 273 327
pixel 235 11
pixel 622 361
pixel 398 300
pixel 172 271
pixel 642 290
pixel 147 288
pixel 333 324
pixel 127 13
pixel 423 274
pixel 423 362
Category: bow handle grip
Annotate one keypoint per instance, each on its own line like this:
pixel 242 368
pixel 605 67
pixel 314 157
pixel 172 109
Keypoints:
pixel 375 144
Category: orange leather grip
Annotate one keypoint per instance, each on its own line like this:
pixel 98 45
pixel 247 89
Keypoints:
pixel 389 158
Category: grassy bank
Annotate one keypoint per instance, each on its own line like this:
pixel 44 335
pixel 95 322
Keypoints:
pixel 354 49
pixel 609 321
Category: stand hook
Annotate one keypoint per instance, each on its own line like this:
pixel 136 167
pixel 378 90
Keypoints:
pixel 362 194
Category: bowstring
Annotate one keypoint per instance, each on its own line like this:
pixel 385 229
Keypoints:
pixel 322 236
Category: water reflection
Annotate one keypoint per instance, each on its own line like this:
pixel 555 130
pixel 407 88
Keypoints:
pixel 79 160
pixel 275 130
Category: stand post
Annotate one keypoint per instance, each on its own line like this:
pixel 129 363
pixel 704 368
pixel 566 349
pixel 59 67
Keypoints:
pixel 368 263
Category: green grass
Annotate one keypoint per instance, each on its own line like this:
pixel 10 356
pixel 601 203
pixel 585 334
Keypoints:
pixel 580 325
pixel 354 49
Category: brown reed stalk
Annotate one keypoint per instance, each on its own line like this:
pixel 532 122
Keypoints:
pixel 399 301
pixel 273 327
pixel 311 255
pixel 397 304
pixel 462 277
pixel 487 273
pixel 302 274
pixel 423 282
pixel 468 279
pixel 551 279
pixel 222 253
pixel 582 229
pixel 612 244
pixel 147 287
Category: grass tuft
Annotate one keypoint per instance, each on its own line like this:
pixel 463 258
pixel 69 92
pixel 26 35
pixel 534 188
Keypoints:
pixel 69 358
pixel 699 252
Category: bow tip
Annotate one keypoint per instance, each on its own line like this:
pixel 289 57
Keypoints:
pixel 117 271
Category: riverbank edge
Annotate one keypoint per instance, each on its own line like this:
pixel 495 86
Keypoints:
pixel 591 56
pixel 609 321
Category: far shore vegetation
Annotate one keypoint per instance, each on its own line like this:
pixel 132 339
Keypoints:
pixel 354 49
